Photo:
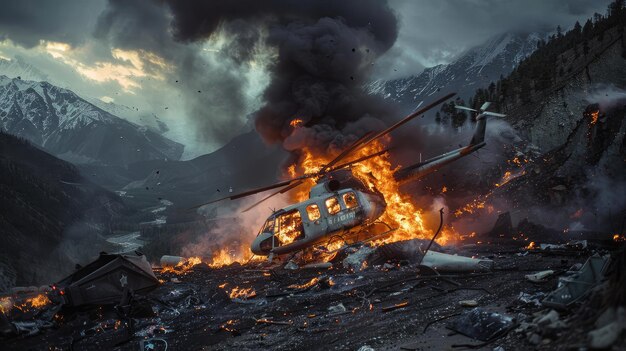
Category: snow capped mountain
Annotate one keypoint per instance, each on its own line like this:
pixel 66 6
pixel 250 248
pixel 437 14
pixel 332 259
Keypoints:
pixel 17 67
pixel 475 69
pixel 73 129
pixel 132 114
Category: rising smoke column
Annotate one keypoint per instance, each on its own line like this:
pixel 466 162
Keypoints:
pixel 325 50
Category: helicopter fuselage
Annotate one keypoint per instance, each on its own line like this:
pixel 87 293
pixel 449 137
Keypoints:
pixel 323 215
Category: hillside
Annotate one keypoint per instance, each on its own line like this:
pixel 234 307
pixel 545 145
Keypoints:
pixel 568 101
pixel 50 216
pixel 75 130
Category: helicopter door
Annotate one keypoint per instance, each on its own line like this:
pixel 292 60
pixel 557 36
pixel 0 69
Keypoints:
pixel 289 228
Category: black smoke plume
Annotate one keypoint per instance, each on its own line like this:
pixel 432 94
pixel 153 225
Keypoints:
pixel 324 52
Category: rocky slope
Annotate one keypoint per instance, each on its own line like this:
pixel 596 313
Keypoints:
pixel 75 130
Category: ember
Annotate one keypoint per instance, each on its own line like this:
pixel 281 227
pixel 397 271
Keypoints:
pixel 242 293
pixel 305 285
pixel 594 117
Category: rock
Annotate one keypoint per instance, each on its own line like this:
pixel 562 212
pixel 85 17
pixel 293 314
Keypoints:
pixel 604 337
pixel 607 317
pixel 337 308
pixel 291 265
pixel 502 227
pixel 534 339
pixel 548 318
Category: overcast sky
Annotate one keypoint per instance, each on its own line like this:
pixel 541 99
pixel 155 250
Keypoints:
pixel 123 51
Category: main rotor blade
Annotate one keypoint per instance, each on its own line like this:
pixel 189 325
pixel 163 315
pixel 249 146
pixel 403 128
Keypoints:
pixel 464 108
pixel 408 118
pixel 281 191
pixel 247 193
pixel 485 106
pixel 364 141
pixel 494 114
pixel 345 152
pixel 360 159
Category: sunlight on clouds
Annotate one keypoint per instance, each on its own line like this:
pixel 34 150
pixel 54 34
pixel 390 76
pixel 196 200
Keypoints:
pixel 128 69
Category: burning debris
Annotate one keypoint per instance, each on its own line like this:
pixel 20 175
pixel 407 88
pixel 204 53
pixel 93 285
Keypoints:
pixel 261 302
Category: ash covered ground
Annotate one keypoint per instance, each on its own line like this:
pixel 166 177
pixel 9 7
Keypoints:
pixel 380 300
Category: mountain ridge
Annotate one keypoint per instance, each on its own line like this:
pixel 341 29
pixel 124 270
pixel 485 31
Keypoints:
pixel 74 129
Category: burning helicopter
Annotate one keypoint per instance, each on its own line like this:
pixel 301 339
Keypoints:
pixel 341 205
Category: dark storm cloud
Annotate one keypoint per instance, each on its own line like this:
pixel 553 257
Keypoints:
pixel 435 32
pixel 324 53
pixel 213 93
pixel 26 22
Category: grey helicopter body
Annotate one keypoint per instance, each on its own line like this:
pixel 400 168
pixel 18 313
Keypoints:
pixel 340 205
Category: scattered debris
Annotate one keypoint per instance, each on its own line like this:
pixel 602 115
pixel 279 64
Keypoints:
pixel 539 277
pixel 573 287
pixel 482 325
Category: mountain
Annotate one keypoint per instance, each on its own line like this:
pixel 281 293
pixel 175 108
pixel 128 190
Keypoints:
pixel 568 102
pixel 476 68
pixel 132 114
pixel 243 163
pixel 50 216
pixel 18 67
pixel 75 130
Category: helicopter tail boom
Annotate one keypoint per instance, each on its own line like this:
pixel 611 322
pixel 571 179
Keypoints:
pixel 422 169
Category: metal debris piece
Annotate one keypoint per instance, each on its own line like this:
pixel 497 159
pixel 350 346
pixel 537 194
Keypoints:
pixel 453 263
pixel 396 306
pixel 320 265
pixel 468 303
pixel 573 287
pixel 539 277
pixel 171 261
pixel 105 280
pixel 481 325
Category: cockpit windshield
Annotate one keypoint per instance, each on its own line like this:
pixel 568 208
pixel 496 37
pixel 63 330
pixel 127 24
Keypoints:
pixel 268 227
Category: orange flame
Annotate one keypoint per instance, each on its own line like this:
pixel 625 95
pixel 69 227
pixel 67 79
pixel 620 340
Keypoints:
pixel 305 285
pixel 183 266
pixel 594 117
pixel 296 122
pixel 242 293
pixel 377 174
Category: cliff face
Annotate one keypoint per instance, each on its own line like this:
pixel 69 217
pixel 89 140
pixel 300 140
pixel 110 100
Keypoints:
pixel 549 119
pixel 578 127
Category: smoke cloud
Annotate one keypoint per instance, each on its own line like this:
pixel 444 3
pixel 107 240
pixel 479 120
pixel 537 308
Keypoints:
pixel 323 54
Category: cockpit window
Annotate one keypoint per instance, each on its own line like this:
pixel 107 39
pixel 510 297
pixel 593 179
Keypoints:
pixel 313 212
pixel 289 227
pixel 332 205
pixel 350 200
pixel 268 227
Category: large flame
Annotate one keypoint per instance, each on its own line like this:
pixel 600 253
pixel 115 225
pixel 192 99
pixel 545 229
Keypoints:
pixel 377 173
